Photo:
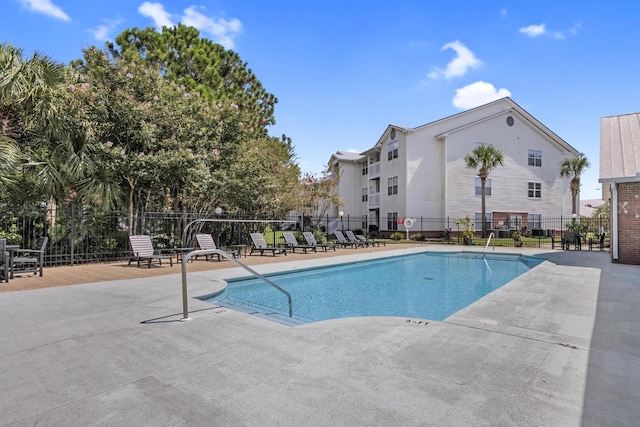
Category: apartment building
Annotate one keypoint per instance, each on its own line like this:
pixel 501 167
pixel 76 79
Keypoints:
pixel 420 172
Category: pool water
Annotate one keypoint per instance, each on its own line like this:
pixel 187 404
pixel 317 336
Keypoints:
pixel 428 286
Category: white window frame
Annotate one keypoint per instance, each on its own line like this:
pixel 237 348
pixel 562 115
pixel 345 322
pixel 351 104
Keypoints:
pixel 534 190
pixel 392 221
pixel 487 188
pixel 477 223
pixel 392 186
pixel 365 194
pixel 392 150
pixel 535 158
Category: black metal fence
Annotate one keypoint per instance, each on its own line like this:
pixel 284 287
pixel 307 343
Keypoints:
pixel 80 235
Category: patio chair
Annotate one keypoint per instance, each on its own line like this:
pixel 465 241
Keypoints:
pixel 311 241
pixel 569 238
pixel 260 245
pixel 353 239
pixel 4 263
pixel 30 260
pixel 368 242
pixel 344 242
pixel 143 251
pixel 292 243
pixel 205 241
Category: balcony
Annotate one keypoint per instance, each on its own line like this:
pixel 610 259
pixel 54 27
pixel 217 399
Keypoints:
pixel 374 200
pixel 374 170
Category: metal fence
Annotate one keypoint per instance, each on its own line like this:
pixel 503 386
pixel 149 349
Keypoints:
pixel 81 235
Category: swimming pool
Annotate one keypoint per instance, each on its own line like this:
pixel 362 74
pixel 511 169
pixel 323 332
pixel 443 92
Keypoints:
pixel 431 285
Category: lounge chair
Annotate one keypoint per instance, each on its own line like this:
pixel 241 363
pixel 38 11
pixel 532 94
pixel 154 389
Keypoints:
pixel 344 242
pixel 368 242
pixel 311 241
pixel 351 237
pixel 205 241
pixel 260 245
pixel 143 251
pixel 4 263
pixel 292 243
pixel 30 260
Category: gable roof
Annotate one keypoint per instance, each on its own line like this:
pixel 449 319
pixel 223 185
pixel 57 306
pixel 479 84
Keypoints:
pixel 620 148
pixel 510 108
pixel 348 156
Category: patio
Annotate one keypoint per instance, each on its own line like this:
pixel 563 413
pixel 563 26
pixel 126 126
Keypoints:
pixel 558 346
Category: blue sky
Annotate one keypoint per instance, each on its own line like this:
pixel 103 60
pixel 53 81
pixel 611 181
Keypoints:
pixel 344 70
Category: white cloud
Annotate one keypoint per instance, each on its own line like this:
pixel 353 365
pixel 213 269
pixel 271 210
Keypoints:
pixel 503 13
pixel 459 66
pixel 541 30
pixel 476 94
pixel 46 7
pixel 103 32
pixel 156 12
pixel 533 30
pixel 222 31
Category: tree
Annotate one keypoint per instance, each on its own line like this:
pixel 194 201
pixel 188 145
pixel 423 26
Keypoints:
pixel 484 158
pixel 573 168
pixel 30 106
pixel 200 65
pixel 318 194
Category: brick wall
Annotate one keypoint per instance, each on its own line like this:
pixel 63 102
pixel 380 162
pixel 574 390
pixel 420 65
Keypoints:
pixel 629 223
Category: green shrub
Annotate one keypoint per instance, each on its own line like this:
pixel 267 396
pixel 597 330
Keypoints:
pixel 417 237
pixel 397 236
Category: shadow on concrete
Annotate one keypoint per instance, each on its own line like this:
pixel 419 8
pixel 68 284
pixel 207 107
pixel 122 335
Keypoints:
pixel 612 387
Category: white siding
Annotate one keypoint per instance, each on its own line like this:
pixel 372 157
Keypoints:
pixel 434 182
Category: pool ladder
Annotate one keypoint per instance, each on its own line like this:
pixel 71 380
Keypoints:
pixel 185 309
pixel 491 235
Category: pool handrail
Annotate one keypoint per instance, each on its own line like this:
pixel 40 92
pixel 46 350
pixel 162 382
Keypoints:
pixel 185 309
pixel 488 241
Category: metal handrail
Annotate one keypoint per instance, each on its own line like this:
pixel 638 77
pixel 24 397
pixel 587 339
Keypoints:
pixel 488 241
pixel 185 309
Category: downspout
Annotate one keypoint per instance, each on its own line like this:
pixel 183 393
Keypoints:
pixel 614 219
pixel 445 179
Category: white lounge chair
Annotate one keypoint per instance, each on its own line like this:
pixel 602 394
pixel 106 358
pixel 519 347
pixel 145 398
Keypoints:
pixel 205 241
pixel 143 251
pixel 260 245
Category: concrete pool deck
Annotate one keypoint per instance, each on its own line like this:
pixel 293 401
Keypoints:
pixel 558 346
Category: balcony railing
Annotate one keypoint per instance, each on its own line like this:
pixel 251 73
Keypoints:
pixel 374 200
pixel 374 170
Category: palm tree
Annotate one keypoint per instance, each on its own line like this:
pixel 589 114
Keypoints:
pixel 484 158
pixel 28 102
pixel 573 168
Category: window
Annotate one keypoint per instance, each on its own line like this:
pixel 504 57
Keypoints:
pixel 392 221
pixel 535 190
pixel 487 187
pixel 365 195
pixel 392 150
pixel 365 169
pixel 534 221
pixel 478 222
pixel 535 158
pixel 392 186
